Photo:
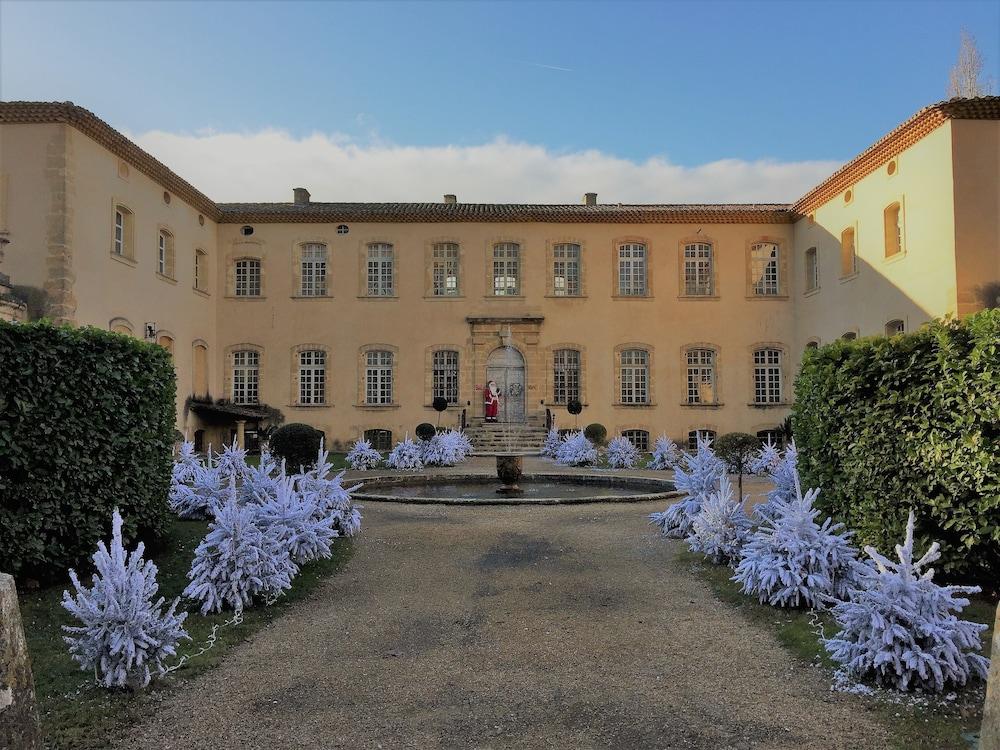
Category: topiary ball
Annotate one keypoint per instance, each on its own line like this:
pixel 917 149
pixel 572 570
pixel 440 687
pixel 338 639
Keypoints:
pixel 425 430
pixel 440 403
pixel 297 443
pixel 574 407
pixel 596 433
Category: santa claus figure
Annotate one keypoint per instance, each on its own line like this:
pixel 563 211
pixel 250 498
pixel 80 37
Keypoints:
pixel 491 401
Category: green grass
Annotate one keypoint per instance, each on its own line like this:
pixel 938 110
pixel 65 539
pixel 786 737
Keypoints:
pixel 932 727
pixel 337 460
pixel 79 716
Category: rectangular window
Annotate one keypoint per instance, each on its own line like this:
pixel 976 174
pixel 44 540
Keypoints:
pixel 566 376
pixel 632 270
pixel 764 269
pixel 199 269
pixel 638 438
pixel 246 377
pixel 695 434
pixel 445 376
pixel 161 253
pixel 893 230
pixel 701 376
pixel 312 377
pixel 506 269
pixel 767 376
pixel 313 270
pixel 119 244
pixel 381 257
pixel 635 376
pixel 848 254
pixel 444 270
pixel 378 377
pixel 566 270
pixel 812 270
pixel 698 270
pixel 247 277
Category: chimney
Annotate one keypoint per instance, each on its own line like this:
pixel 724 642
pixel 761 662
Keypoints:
pixel 450 198
pixel 590 199
pixel 301 196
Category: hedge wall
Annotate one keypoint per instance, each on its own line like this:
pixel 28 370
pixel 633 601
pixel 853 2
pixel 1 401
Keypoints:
pixel 86 424
pixel 886 425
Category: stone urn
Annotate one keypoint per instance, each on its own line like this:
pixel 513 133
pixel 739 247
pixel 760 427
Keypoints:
pixel 509 471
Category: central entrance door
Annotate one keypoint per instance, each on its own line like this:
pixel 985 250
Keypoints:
pixel 505 366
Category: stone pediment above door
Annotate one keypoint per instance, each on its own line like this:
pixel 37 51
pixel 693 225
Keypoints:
pixel 521 333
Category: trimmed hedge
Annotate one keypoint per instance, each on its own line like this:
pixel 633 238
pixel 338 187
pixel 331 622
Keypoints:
pixel 86 425
pixel 886 425
pixel 298 444
pixel 596 433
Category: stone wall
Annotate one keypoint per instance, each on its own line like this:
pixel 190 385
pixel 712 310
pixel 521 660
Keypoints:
pixel 18 711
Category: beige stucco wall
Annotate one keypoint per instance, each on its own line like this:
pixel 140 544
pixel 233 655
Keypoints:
pixel 916 285
pixel 411 323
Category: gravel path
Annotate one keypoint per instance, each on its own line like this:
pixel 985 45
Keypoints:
pixel 510 627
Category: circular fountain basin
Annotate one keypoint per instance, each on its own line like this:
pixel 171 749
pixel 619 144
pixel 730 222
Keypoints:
pixel 537 489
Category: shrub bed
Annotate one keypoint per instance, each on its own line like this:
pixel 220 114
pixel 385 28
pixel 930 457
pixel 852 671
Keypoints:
pixel 86 424
pixel 886 425
pixel 298 444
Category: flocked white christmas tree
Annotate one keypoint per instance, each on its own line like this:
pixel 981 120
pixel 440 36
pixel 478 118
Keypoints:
pixel 901 629
pixel 232 462
pixel 699 477
pixel 782 470
pixel 362 457
pixel 185 463
pixel 666 454
pixel 445 449
pixel 576 450
pixel 721 527
pixel 622 454
pixel 260 482
pixel 293 517
pixel 552 442
pixel 406 455
pixel 124 635
pixel 326 491
pixel 199 498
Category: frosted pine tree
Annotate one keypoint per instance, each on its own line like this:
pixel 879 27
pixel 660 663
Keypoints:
pixel 125 635
pixel 239 559
pixel 260 483
pixel 185 463
pixel 622 454
pixel 552 442
pixel 328 495
pixel 782 470
pixel 362 457
pixel 697 480
pixel 791 560
pixel 232 462
pixel 445 449
pixel 666 454
pixel 722 527
pixel 293 517
pixel 198 499
pixel 576 450
pixel 406 456
pixel 901 629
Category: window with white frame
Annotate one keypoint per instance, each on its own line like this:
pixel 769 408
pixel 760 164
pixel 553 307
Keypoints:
pixel 378 377
pixel 700 376
pixel 506 269
pixel 812 270
pixel 246 377
pixel 200 269
pixel 121 243
pixel 565 376
pixel 444 269
pixel 247 277
pixel 767 376
pixel 381 440
pixel 632 270
pixel 765 269
pixel 165 253
pixel 893 217
pixel 698 269
pixel 312 377
pixel 313 270
pixel 638 438
pixel 444 375
pixel 695 434
pixel 635 376
pixel 566 270
pixel 381 259
pixel 895 327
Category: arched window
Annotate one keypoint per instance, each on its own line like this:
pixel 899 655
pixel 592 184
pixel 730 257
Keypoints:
pixel 120 325
pixel 506 269
pixel 565 375
pixel 812 345
pixel 632 269
pixel 381 269
pixel 246 377
pixel 695 434
pixel 247 277
pixel 698 271
pixel 200 269
pixel 444 269
pixel 167 342
pixel 378 377
pixel 312 377
pixel 165 253
pixel 122 244
pixel 812 270
pixel 765 269
pixel 895 327
pixel 634 376
pixel 848 253
pixel 700 376
pixel 312 270
pixel 566 270
pixel 767 376
pixel 849 336
pixel 774 436
pixel 893 230
pixel 381 440
pixel 200 362
pixel 638 438
pixel 444 375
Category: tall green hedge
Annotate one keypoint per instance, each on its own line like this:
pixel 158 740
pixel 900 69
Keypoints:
pixel 886 425
pixel 86 424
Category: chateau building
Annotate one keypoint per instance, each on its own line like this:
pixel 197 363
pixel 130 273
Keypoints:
pixel 353 317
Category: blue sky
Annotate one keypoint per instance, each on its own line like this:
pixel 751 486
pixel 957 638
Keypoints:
pixel 688 83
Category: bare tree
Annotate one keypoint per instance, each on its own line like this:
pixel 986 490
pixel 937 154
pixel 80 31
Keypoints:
pixel 967 77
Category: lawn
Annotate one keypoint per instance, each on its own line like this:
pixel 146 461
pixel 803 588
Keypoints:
pixel 75 714
pixel 916 726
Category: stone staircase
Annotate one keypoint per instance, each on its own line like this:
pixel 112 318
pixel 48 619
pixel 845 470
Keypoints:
pixel 488 438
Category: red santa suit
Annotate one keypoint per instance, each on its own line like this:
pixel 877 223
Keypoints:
pixel 491 401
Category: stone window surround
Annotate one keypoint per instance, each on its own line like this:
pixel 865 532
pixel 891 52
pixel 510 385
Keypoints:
pixel 128 255
pixel 170 261
pixel 782 267
pixel 783 402
pixel 465 377
pixel 295 255
pixel 550 356
pixel 196 344
pixel 201 282
pixel 851 227
pixel 650 437
pixel 550 266
pixel 695 239
pixel 901 208
pixel 615 268
pixel 362 371
pixel 363 244
pixel 650 350
pixel 163 333
pixel 294 394
pixel 429 267
pixel 246 249
pixel 121 323
pixel 227 383
pixel 718 403
pixel 491 242
pixel 700 426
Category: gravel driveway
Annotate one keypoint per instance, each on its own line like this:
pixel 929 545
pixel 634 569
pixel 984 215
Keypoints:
pixel 510 627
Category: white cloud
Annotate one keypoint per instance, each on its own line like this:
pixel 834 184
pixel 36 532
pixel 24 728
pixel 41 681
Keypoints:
pixel 265 166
